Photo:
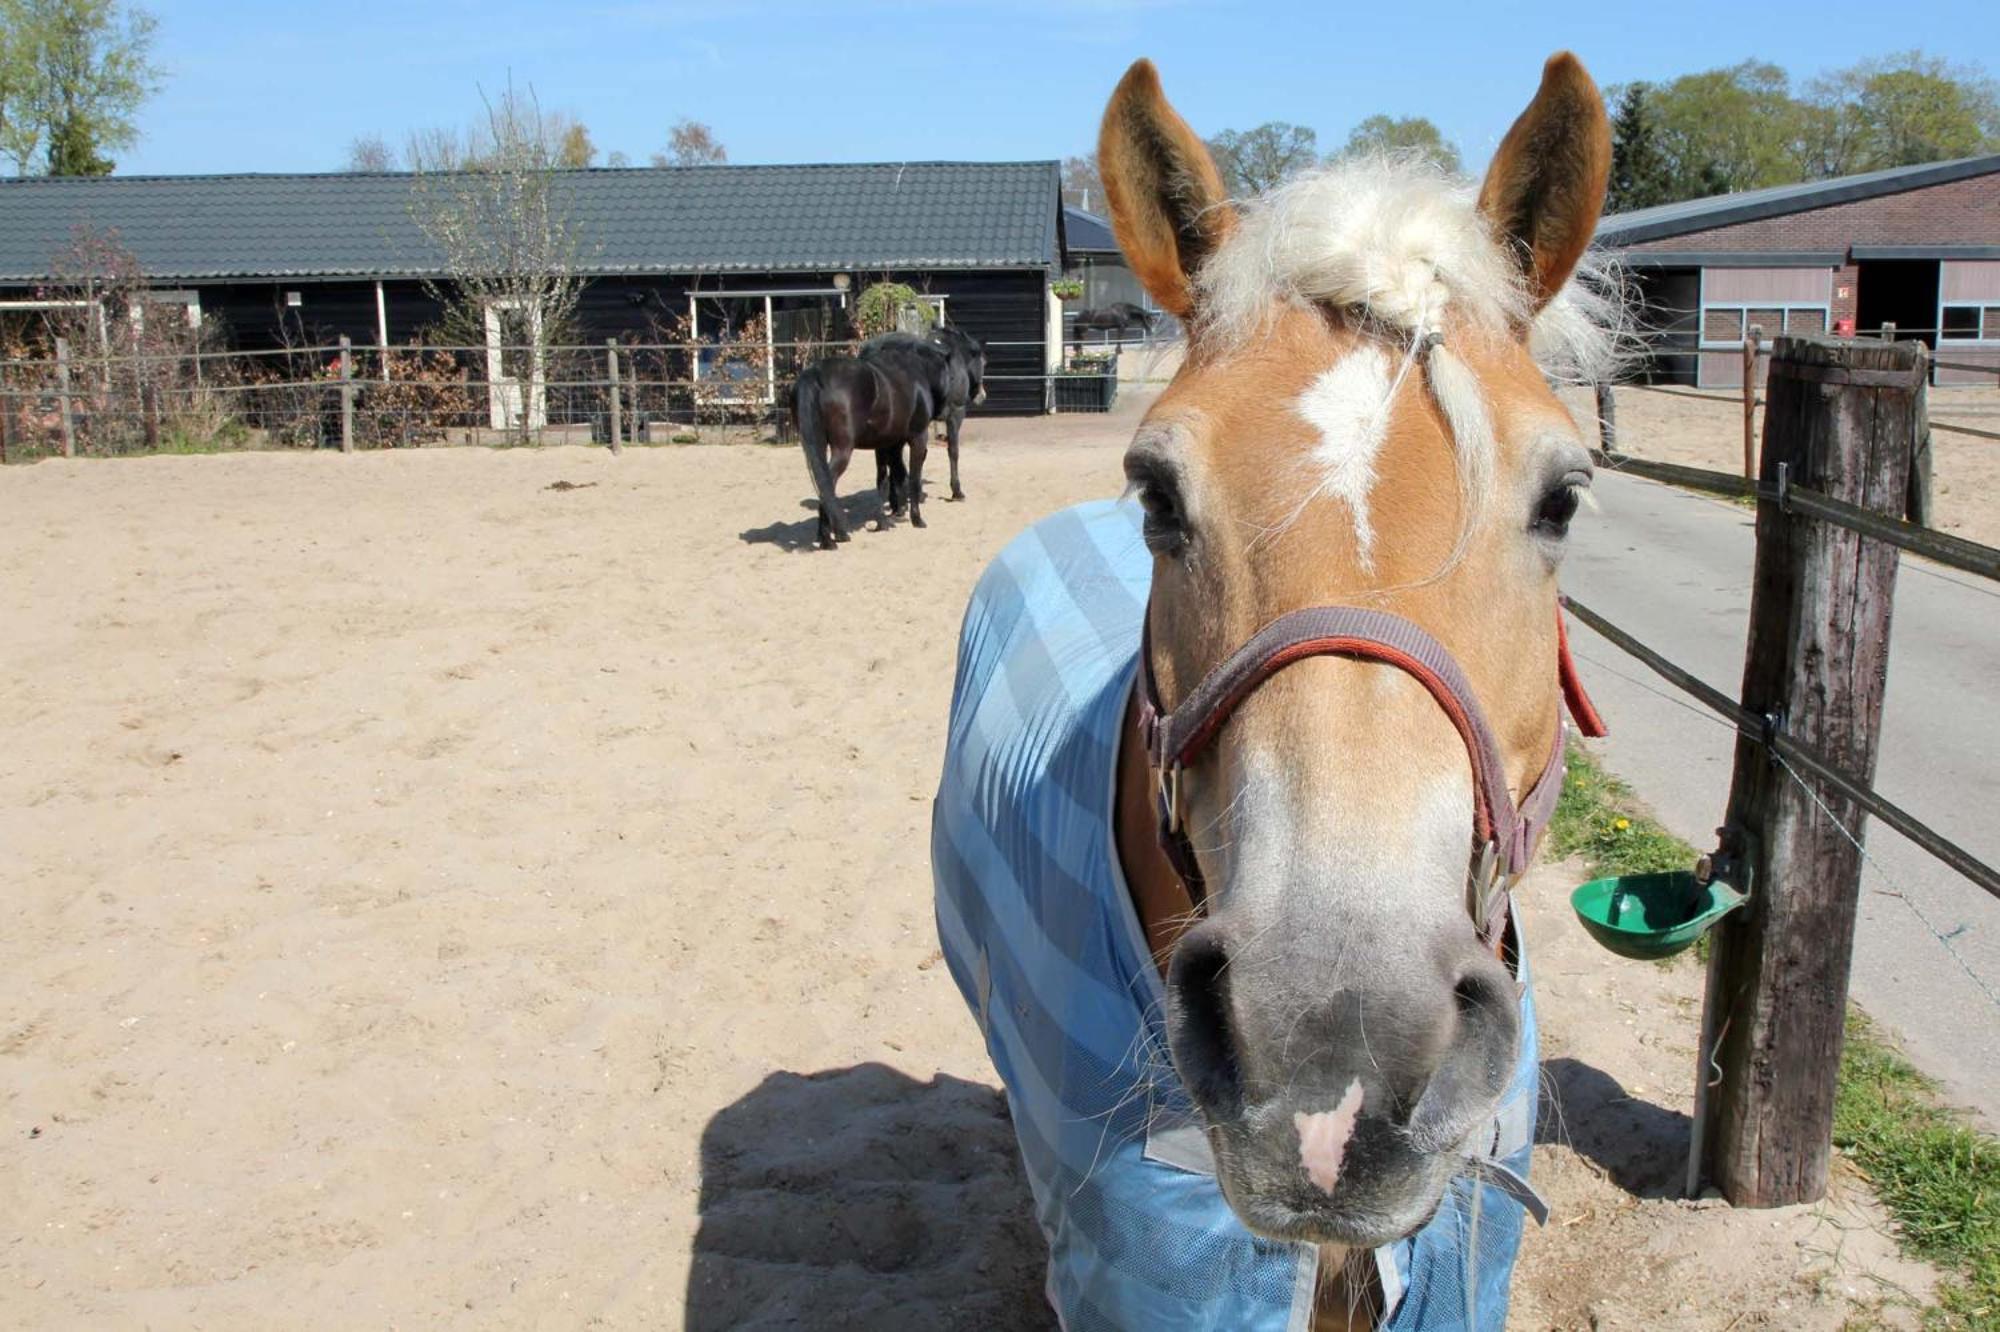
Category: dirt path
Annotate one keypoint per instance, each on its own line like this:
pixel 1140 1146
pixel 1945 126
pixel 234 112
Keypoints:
pixel 442 900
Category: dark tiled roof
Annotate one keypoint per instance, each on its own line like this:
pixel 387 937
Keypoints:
pixel 1692 215
pixel 645 220
pixel 1088 233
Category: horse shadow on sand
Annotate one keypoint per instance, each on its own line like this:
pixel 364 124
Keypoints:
pixel 1641 1147
pixel 864 508
pixel 861 1197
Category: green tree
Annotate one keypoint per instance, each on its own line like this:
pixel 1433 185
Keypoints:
pixel 1730 129
pixel 1639 176
pixel 1409 134
pixel 92 71
pixel 1898 110
pixel 576 149
pixel 1252 161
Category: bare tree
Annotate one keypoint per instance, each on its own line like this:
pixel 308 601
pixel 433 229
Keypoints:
pixel 507 244
pixel 691 143
pixel 1081 185
pixel 369 153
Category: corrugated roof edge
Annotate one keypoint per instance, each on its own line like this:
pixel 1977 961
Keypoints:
pixel 1693 215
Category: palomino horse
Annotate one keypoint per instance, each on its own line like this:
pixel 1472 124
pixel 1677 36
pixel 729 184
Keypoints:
pixel 884 397
pixel 1238 776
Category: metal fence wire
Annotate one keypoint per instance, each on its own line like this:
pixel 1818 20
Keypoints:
pixel 338 395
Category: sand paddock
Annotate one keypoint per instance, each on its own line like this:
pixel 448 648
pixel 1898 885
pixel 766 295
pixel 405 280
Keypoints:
pixel 438 899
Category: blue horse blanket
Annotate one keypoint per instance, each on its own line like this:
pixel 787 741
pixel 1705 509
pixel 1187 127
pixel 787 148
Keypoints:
pixel 1041 937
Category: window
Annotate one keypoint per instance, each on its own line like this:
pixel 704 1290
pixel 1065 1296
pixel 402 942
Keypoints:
pixel 1970 323
pixel 740 337
pixel 1725 326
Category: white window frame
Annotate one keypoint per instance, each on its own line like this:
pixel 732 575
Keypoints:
pixel 770 393
pixel 532 404
pixel 1979 323
pixel 103 326
pixel 1743 308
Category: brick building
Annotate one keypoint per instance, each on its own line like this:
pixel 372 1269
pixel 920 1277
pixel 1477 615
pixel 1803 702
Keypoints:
pixel 1917 247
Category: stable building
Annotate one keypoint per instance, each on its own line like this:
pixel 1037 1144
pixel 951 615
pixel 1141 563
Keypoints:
pixel 702 251
pixel 1914 247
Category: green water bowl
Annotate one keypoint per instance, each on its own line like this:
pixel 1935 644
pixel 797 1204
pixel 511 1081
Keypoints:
pixel 1651 916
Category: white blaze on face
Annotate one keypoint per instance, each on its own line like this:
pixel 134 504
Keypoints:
pixel 1349 406
pixel 1323 1137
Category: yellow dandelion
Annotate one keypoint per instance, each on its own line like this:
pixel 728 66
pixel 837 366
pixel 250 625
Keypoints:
pixel 1621 824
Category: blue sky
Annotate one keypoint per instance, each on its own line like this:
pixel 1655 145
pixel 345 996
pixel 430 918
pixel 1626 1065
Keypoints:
pixel 284 87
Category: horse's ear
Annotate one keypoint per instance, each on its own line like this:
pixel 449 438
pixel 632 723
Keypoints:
pixel 1168 206
pixel 1545 188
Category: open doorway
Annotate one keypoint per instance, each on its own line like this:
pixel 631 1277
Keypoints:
pixel 1903 292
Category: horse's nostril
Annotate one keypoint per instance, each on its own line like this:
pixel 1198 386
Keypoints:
pixel 1203 1042
pixel 1473 994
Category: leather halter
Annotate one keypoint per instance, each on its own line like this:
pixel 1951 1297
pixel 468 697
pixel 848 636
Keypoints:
pixel 1504 834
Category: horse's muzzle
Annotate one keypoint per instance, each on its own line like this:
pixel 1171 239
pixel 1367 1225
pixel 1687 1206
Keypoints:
pixel 1339 1111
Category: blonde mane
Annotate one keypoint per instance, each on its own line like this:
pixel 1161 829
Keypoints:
pixel 1403 247
pixel 1404 252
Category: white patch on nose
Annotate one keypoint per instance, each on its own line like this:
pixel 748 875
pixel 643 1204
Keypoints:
pixel 1349 406
pixel 1323 1138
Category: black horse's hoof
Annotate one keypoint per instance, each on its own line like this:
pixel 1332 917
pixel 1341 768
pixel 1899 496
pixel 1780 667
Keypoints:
pixel 917 520
pixel 957 495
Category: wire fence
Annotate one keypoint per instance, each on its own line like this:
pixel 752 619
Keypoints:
pixel 1812 771
pixel 343 395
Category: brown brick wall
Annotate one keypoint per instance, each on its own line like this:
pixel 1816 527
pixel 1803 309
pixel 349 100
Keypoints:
pixel 1963 212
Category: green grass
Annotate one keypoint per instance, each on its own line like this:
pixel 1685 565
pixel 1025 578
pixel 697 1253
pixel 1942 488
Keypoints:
pixel 1600 819
pixel 1938 1176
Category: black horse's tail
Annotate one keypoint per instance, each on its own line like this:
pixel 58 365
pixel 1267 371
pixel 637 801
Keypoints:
pixel 812 436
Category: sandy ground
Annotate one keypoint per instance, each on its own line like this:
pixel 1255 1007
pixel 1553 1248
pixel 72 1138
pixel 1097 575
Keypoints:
pixel 444 900
pixel 1965 485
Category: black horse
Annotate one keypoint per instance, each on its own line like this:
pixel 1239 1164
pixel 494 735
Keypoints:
pixel 1115 318
pixel 966 387
pixel 882 398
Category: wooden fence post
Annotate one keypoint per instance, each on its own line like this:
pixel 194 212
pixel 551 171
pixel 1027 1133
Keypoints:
pixel 346 394
pixel 1607 419
pixel 1837 420
pixel 1918 508
pixel 1753 338
pixel 611 360
pixel 62 397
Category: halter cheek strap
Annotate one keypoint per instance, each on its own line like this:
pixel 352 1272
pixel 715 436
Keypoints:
pixel 1504 834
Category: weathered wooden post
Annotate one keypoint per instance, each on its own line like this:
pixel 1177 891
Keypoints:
pixel 611 360
pixel 1837 420
pixel 1918 508
pixel 1753 338
pixel 346 394
pixel 1607 419
pixel 62 397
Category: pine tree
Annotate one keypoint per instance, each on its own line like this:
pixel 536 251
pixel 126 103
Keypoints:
pixel 1639 168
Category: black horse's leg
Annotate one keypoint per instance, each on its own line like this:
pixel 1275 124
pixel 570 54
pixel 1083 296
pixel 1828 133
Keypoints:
pixel 951 428
pixel 888 461
pixel 919 446
pixel 842 454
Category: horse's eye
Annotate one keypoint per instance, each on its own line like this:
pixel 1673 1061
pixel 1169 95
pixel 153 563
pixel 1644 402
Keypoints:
pixel 1165 526
pixel 1557 507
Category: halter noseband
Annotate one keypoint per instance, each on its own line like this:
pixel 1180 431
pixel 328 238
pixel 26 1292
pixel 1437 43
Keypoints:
pixel 1504 834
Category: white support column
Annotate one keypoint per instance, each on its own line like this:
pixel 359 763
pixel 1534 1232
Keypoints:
pixel 382 326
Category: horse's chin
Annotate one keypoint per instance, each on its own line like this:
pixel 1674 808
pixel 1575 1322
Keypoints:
pixel 1380 1211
